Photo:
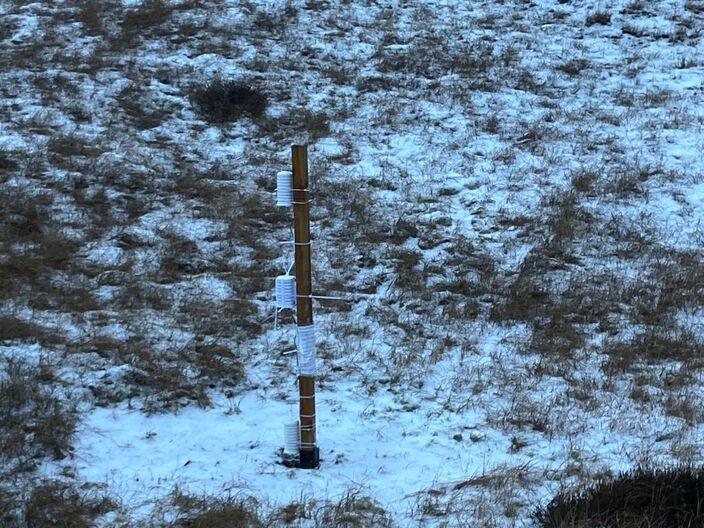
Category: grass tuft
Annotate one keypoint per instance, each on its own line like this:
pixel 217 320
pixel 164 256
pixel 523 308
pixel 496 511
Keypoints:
pixel 148 15
pixel 653 498
pixel 36 420
pixel 598 17
pixel 54 504
pixel 207 512
pixel 226 101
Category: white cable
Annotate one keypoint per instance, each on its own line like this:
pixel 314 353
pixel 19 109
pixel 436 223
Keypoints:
pixel 295 243
pixel 335 298
pixel 321 297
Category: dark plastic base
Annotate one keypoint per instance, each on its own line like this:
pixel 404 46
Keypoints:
pixel 309 459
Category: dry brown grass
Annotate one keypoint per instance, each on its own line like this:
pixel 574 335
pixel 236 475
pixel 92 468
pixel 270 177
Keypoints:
pixel 37 421
pixel 406 264
pixel 490 498
pixel 92 15
pixel 586 276
pixel 352 510
pixel 209 512
pixel 584 180
pixel 25 213
pixel 655 345
pixel 9 507
pixel 143 112
pixel 147 18
pixel 573 67
pixel 15 329
pixel 72 152
pixel 428 57
pixel 598 17
pixel 695 6
pixel 652 498
pixel 7 163
pixel 55 504
pixel 180 258
pixel 37 253
pixel 226 101
pixel 161 377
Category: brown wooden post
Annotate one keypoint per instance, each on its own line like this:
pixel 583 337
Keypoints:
pixel 309 452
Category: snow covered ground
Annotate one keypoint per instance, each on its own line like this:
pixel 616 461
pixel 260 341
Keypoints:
pixel 516 187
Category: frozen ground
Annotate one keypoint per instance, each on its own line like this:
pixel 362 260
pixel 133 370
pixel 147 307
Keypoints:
pixel 516 187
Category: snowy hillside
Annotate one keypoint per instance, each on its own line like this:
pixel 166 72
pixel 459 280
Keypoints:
pixel 516 188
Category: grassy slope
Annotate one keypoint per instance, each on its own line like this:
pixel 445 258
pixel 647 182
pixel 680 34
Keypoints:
pixel 525 173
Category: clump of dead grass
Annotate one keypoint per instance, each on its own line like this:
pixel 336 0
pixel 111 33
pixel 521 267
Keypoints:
pixel 209 512
pixel 145 18
pixel 654 345
pixel 656 498
pixel 13 328
pixel 55 504
pixel 37 253
pixel 163 379
pixel 7 163
pixel 37 421
pixel 491 498
pixel 352 510
pixel 223 101
pixel 428 57
pixel 573 67
pixel 695 6
pixel 598 17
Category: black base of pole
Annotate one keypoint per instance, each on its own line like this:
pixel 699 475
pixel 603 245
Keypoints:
pixel 309 459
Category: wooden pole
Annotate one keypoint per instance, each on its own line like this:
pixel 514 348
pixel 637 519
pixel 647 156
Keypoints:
pixel 309 452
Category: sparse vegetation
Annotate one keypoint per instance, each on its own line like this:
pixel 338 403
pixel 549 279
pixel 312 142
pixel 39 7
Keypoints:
pixel 511 219
pixel 206 512
pixel 37 420
pixel 144 17
pixel 655 345
pixel 695 6
pixel 645 497
pixel 353 509
pixel 573 67
pixel 55 504
pixel 598 17
pixel 224 101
